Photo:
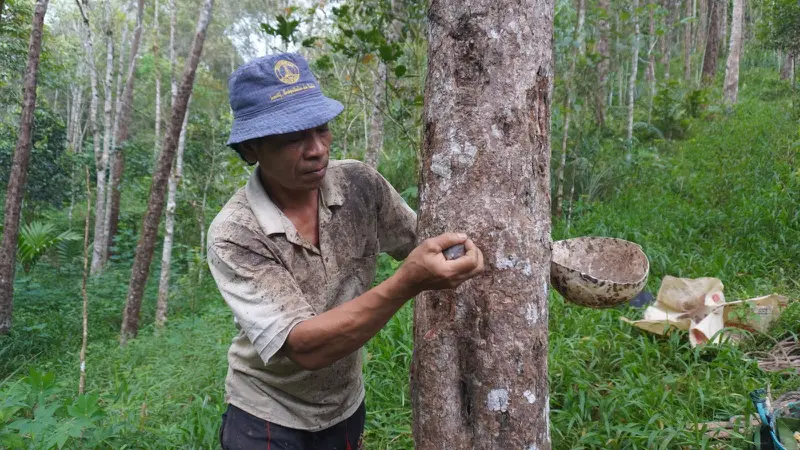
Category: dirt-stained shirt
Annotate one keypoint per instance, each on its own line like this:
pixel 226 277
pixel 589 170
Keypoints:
pixel 273 279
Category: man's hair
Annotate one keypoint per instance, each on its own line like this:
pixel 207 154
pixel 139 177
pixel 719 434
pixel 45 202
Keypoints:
pixel 238 149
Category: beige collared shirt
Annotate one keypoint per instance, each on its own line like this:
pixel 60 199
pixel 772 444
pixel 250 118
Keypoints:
pixel 273 279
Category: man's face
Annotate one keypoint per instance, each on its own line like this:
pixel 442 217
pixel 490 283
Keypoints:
pixel 294 161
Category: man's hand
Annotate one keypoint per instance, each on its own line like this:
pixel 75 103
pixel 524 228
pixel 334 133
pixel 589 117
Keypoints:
pixel 426 267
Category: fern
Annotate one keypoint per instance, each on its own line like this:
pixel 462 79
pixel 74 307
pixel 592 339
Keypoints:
pixel 36 239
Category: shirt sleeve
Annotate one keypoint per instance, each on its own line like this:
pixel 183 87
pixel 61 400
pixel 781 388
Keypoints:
pixel 264 297
pixel 397 222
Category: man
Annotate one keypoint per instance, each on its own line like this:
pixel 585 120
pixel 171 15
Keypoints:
pixel 294 255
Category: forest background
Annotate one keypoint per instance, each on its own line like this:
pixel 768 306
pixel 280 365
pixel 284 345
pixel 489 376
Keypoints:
pixel 674 125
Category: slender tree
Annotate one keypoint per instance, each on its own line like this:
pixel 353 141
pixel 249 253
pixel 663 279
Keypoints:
pixel 19 171
pixel 155 204
pixel 123 125
pixel 102 169
pixel 687 40
pixel 174 181
pixel 632 80
pixel 85 315
pixel 570 100
pixel 157 71
pixel 787 69
pixel 712 42
pixel 479 372
pixel 375 132
pixel 603 51
pixel 731 86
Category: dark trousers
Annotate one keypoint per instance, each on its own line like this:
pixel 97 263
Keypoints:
pixel 243 431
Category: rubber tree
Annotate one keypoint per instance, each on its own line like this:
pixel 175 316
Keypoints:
pixel 730 89
pixel 155 203
pixel 19 171
pixel 479 371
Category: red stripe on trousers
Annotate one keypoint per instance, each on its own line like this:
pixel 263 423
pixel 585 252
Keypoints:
pixel 269 437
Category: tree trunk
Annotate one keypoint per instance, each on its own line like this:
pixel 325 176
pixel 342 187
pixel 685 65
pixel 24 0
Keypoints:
pixel 666 44
pixel 157 71
pixel 123 124
pixel 687 42
pixel 723 31
pixel 650 73
pixel 102 170
pixel 731 86
pixel 85 315
pixel 114 169
pixel 169 226
pixel 632 81
pixel 712 43
pixel 19 172
pixel 155 204
pixel 2 5
pixel 788 66
pixel 581 21
pixel 479 373
pixel 603 50
pixel 375 136
pixel 570 85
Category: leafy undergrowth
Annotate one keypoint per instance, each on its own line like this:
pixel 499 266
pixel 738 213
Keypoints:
pixel 724 203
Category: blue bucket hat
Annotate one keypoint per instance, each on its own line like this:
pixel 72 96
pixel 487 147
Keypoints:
pixel 276 94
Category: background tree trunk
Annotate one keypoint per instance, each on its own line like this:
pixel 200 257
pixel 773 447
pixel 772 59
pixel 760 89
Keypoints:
pixel 157 70
pixel 114 172
pixel 672 7
pixel 723 30
pixel 169 226
pixel 632 80
pixel 650 73
pixel 731 86
pixel 155 204
pixel 687 41
pixel 712 43
pixel 788 67
pixel 123 124
pixel 102 170
pixel 375 132
pixel 85 315
pixel 603 50
pixel 19 172
pixel 570 100
pixel 479 374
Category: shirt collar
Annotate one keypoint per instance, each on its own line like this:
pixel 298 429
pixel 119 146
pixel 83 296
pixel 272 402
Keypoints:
pixel 270 217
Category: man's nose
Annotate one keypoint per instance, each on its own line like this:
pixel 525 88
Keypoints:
pixel 315 146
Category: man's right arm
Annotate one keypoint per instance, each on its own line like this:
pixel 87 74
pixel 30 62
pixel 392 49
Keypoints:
pixel 324 339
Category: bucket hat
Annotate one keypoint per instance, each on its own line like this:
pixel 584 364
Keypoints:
pixel 276 94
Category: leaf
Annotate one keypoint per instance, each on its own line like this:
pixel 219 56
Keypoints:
pixel 400 70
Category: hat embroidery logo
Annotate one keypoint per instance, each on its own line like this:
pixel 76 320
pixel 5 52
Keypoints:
pixel 287 72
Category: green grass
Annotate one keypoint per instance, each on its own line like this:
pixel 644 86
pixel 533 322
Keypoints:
pixel 724 202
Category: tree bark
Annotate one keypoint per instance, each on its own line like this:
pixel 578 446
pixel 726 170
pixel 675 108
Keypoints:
pixel 169 227
pixel 155 204
pixel 666 45
pixel 375 135
pixel 650 73
pixel 570 100
pixel 731 86
pixel 102 169
pixel 788 67
pixel 632 80
pixel 723 31
pixel 157 71
pixel 121 134
pixel 687 41
pixel 603 50
pixel 19 172
pixel 85 315
pixel 479 373
pixel 712 43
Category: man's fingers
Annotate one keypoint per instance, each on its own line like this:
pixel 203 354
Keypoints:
pixel 468 262
pixel 446 240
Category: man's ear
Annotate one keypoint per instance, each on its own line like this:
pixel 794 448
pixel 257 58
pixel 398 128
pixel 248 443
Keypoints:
pixel 248 151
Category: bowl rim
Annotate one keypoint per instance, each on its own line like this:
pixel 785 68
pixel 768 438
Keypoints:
pixel 606 238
